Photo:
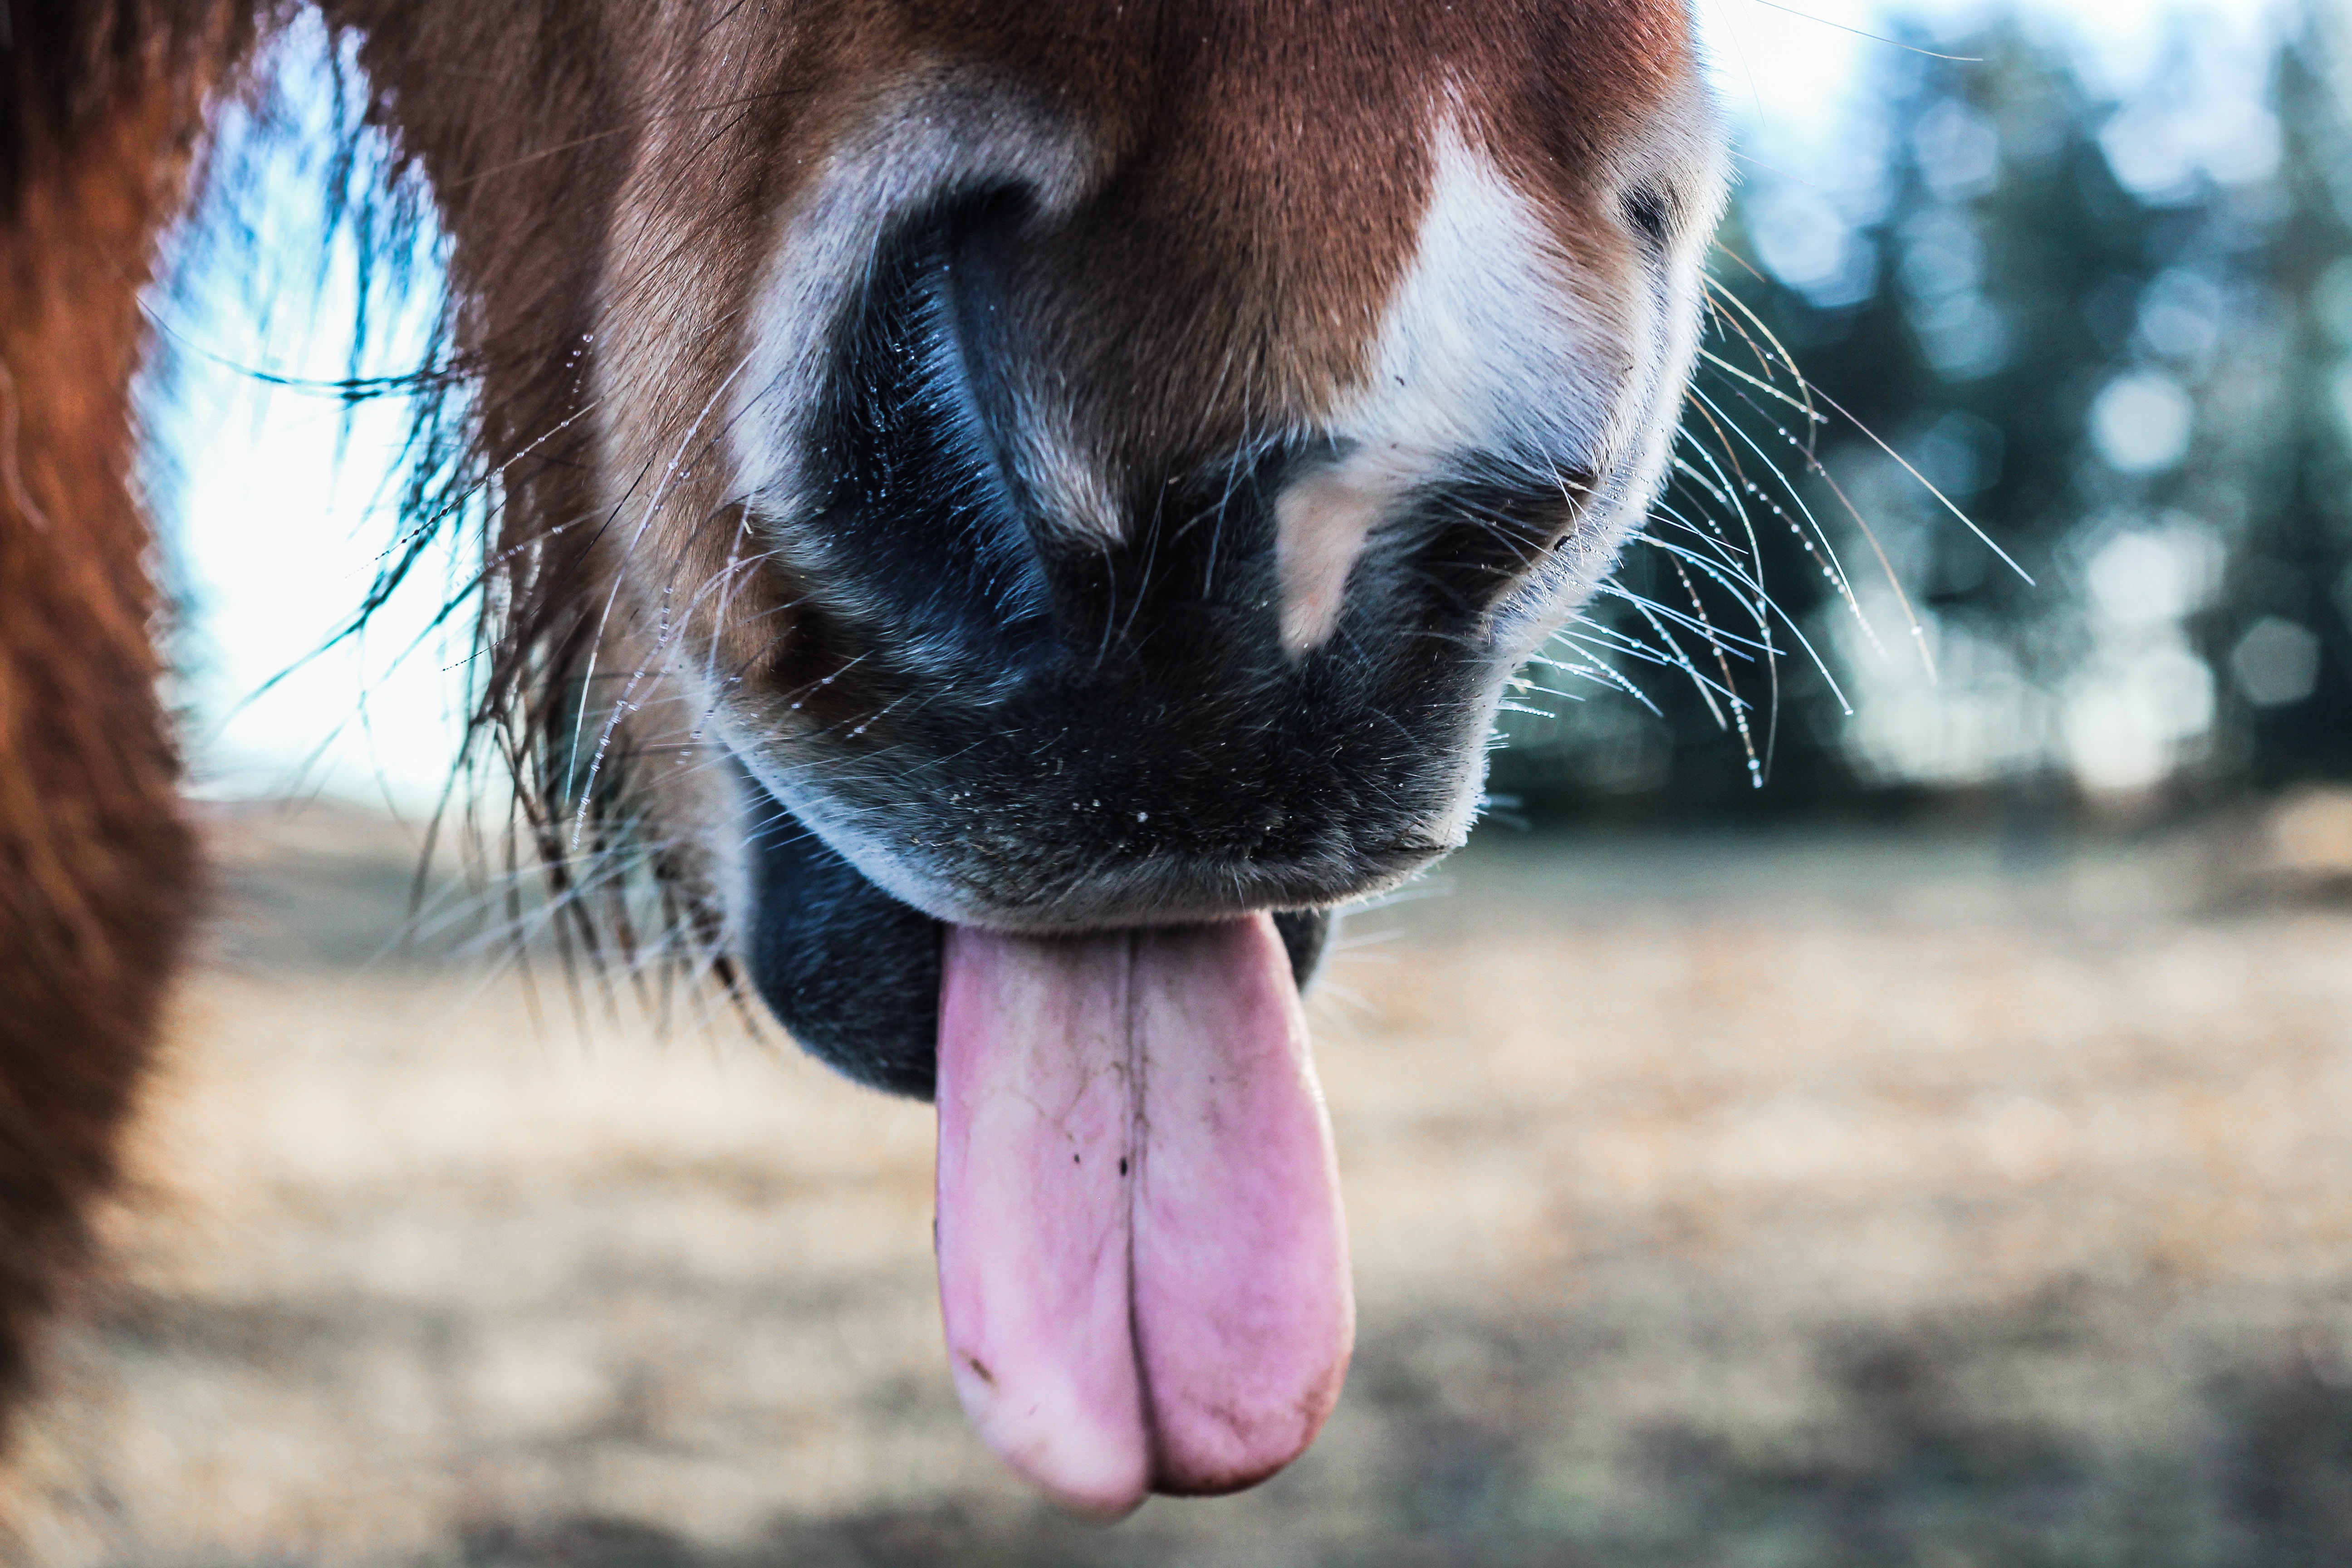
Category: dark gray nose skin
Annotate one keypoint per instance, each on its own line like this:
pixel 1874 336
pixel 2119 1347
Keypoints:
pixel 1032 728
pixel 854 975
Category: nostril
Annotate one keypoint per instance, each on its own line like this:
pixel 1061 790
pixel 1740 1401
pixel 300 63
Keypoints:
pixel 1650 213
pixel 919 520
pixel 1483 536
pixel 975 258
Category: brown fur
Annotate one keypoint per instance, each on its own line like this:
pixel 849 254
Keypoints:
pixel 614 173
pixel 1238 138
pixel 97 867
pixel 611 175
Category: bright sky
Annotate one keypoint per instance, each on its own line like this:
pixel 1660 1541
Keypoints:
pixel 278 531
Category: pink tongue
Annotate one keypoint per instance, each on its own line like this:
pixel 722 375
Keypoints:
pixel 1143 1262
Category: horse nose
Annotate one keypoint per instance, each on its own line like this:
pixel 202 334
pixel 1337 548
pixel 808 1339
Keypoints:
pixel 1357 533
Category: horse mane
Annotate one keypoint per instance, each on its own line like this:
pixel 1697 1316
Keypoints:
pixel 103 140
pixel 100 114
pixel 488 476
pixel 67 65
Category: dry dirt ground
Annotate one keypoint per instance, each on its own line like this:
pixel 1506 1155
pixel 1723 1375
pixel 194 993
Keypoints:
pixel 1867 1201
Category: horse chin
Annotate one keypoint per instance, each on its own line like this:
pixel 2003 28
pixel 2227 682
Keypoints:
pixel 853 973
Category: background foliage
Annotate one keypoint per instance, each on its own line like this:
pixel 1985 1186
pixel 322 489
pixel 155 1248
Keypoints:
pixel 2114 331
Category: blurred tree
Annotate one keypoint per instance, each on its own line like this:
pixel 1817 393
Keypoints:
pixel 2281 632
pixel 2112 334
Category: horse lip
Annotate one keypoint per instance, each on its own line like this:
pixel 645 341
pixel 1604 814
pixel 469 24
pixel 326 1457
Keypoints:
pixel 1179 891
pixel 1161 889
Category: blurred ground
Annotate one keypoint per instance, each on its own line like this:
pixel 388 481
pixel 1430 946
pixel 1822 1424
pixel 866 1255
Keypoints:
pixel 1892 1200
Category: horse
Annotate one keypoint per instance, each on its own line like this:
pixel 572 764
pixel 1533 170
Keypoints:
pixel 1003 516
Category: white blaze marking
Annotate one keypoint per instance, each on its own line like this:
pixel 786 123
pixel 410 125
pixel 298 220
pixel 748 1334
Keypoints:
pixel 1487 348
